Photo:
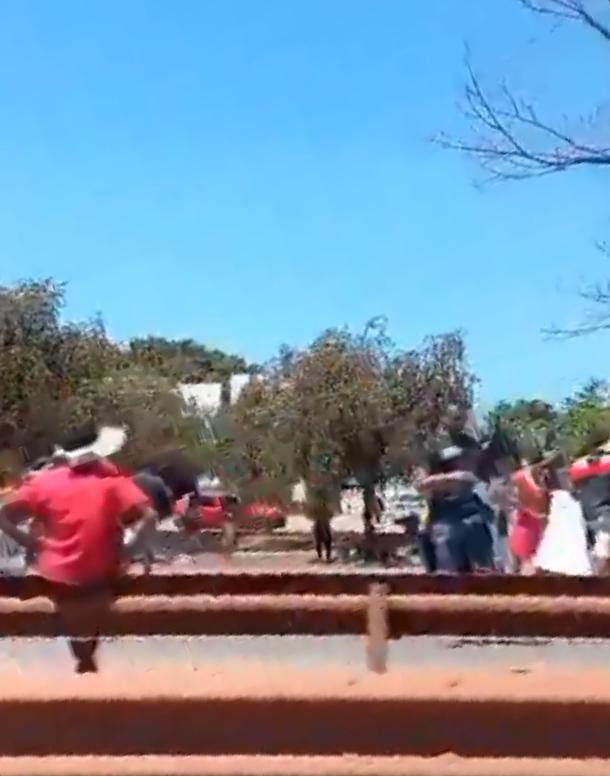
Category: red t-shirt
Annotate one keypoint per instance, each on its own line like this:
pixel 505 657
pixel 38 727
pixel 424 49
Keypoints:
pixel 78 513
pixel 530 495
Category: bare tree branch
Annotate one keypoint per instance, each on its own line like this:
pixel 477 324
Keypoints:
pixel 508 136
pixel 511 140
pixel 597 298
pixel 572 10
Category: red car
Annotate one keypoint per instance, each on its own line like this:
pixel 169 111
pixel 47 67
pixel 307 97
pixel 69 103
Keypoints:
pixel 260 516
pixel 215 508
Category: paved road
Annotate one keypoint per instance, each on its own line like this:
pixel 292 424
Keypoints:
pixel 309 652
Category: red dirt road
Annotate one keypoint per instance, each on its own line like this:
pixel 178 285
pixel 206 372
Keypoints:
pixel 236 681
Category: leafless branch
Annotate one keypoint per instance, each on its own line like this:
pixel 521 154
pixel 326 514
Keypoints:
pixel 511 141
pixel 597 298
pixel 508 136
pixel 572 10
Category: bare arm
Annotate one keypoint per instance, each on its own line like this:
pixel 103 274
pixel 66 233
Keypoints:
pixel 143 522
pixel 440 481
pixel 10 518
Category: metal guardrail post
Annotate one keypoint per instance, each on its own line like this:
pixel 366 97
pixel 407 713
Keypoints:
pixel 377 629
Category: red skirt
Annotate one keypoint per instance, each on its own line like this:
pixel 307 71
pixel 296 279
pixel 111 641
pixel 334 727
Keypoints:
pixel 524 535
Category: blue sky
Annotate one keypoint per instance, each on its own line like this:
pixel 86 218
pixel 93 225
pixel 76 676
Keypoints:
pixel 249 172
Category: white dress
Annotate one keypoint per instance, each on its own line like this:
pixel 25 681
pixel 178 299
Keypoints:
pixel 563 549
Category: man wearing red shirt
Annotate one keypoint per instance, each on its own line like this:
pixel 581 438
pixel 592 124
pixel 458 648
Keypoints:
pixel 80 509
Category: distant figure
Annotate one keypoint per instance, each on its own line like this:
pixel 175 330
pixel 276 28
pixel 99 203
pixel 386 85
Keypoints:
pixel 372 508
pixel 323 540
pixel 319 511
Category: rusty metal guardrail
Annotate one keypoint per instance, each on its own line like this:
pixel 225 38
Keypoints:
pixel 327 583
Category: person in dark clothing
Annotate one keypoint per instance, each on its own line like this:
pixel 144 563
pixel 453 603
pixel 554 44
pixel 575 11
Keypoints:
pixel 458 523
pixel 155 488
pixel 427 553
pixel 594 496
pixel 162 500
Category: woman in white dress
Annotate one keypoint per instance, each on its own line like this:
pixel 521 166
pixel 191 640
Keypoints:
pixel 563 548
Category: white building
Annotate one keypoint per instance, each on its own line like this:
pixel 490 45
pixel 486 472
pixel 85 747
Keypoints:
pixel 208 397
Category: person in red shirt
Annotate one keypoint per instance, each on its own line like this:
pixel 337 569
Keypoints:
pixel 528 519
pixel 80 508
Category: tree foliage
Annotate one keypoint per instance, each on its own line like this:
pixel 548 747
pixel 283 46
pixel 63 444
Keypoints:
pixel 55 375
pixel 185 360
pixel 45 365
pixel 346 405
pixel 585 418
pixel 576 425
pixel 532 423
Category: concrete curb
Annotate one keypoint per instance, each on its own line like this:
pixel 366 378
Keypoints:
pixel 345 765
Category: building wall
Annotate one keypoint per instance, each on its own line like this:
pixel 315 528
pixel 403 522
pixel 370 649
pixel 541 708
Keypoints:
pixel 208 397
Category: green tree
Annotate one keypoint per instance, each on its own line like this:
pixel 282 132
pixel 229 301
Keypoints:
pixel 578 424
pixel 248 453
pixel 585 418
pixel 185 360
pixel 429 387
pixel 531 423
pixel 55 375
pixel 346 404
pixel 44 363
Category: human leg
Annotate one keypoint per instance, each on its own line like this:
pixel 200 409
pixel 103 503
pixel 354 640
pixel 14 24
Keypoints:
pixel 479 545
pixel 449 549
pixel 82 614
pixel 323 539
pixel 426 551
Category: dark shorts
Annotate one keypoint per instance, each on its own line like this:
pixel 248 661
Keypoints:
pixel 463 546
pixel 426 551
pixel 83 612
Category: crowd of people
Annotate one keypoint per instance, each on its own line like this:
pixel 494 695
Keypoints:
pixel 80 520
pixel 545 516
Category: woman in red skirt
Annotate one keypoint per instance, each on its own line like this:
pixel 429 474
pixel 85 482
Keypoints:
pixel 527 520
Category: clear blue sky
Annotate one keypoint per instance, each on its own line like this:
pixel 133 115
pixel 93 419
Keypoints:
pixel 249 172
